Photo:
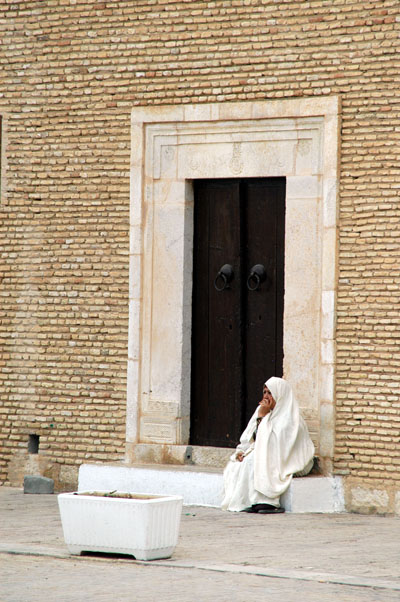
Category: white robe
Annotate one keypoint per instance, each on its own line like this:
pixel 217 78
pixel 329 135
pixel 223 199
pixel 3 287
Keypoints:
pixel 282 448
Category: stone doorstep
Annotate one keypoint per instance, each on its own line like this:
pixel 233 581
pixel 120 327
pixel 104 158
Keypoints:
pixel 157 453
pixel 203 486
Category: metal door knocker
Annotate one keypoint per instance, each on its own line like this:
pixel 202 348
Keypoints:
pixel 224 276
pixel 256 276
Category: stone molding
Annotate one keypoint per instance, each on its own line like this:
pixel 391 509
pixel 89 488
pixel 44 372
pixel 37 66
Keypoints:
pixel 171 146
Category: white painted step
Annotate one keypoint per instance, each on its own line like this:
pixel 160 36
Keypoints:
pixel 201 486
pixel 314 494
pixel 198 487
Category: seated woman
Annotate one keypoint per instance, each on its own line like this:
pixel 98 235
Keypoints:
pixel 275 446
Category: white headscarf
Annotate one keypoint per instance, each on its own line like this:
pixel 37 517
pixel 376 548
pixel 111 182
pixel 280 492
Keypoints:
pixel 283 445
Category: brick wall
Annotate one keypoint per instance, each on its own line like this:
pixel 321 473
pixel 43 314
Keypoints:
pixel 71 71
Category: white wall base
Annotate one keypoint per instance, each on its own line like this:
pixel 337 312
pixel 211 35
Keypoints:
pixel 314 494
pixel 205 488
pixel 200 488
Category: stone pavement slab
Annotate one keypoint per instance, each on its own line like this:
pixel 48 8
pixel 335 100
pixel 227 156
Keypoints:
pixel 32 579
pixel 227 555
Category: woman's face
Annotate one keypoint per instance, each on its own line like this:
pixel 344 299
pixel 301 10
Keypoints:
pixel 267 395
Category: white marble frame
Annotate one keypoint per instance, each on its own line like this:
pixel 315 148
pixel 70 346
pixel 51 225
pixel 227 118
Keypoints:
pixel 172 145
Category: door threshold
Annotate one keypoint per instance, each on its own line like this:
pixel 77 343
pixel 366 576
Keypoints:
pixel 168 454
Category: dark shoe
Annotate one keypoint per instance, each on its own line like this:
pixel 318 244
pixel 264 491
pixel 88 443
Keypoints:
pixel 251 509
pixel 267 509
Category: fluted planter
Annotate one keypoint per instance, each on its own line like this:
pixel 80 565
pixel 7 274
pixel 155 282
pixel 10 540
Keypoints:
pixel 145 526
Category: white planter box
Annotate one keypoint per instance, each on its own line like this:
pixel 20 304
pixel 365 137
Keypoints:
pixel 145 526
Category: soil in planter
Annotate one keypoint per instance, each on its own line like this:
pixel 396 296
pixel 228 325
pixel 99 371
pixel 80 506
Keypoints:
pixel 117 494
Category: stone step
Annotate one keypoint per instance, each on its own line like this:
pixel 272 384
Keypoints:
pixel 203 486
pixel 150 453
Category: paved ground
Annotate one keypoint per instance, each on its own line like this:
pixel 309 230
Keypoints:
pixel 220 556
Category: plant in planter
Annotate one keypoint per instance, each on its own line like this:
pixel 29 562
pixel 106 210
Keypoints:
pixel 145 526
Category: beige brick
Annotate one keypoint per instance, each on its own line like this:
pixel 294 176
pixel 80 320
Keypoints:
pixel 66 102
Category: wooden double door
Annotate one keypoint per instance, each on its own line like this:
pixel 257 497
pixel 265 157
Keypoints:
pixel 237 313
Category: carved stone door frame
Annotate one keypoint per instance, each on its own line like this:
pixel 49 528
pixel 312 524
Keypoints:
pixel 172 146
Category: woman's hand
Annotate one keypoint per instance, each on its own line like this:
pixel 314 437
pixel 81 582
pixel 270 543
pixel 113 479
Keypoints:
pixel 265 407
pixel 267 403
pixel 239 456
